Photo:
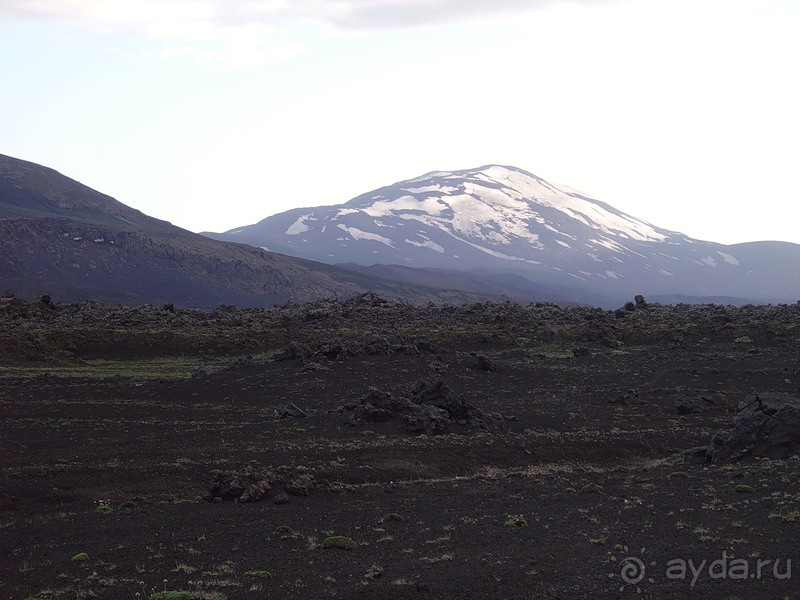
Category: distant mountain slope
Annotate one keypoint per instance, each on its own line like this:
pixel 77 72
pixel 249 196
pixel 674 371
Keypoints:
pixel 60 237
pixel 31 191
pixel 503 220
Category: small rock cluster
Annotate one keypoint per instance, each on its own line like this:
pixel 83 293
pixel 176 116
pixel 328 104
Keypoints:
pixel 251 485
pixel 427 407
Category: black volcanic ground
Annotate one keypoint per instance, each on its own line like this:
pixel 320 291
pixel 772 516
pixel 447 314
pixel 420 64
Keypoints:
pixel 484 451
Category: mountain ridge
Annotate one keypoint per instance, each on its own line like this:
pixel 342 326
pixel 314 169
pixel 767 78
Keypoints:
pixel 506 220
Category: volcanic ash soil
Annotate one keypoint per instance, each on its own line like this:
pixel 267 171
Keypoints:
pixel 365 449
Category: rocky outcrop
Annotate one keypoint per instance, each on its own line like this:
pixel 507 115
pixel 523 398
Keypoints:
pixel 766 425
pixel 430 407
pixel 246 485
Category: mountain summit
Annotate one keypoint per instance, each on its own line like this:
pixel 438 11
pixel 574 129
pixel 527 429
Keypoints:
pixel 504 220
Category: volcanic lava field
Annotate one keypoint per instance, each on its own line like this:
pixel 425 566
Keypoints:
pixel 364 449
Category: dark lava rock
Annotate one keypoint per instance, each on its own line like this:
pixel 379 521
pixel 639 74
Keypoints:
pixel 766 425
pixel 437 365
pixel 626 398
pixel 290 410
pixel 377 406
pixel 302 485
pixel 285 472
pixel 282 498
pixel 694 404
pixel 424 418
pixel 486 364
pixel 437 393
pixel 256 491
pixel 428 407
pixel 376 345
pixel 246 485
pixel 424 345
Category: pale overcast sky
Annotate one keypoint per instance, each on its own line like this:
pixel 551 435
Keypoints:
pixel 217 113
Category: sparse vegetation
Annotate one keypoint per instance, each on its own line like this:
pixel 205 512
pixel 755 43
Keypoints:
pixel 516 521
pixel 284 531
pixel 339 541
pixel 592 488
pixel 792 517
pixel 394 517
pixel 266 575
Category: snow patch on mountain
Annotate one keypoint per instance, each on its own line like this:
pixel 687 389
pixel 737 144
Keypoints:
pixel 299 226
pixel 445 189
pixel 709 260
pixel 426 243
pixel 358 234
pixel 386 208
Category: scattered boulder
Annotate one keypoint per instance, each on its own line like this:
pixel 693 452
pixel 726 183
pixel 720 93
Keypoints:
pixel 437 393
pixel 377 406
pixel 302 485
pixel 424 418
pixel 766 425
pixel 626 398
pixel 424 345
pixel 291 410
pixel 438 366
pixel 484 363
pixel 427 407
pixel 256 491
pixel 246 485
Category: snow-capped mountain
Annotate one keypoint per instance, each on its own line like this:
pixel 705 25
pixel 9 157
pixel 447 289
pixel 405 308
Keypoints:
pixel 501 219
